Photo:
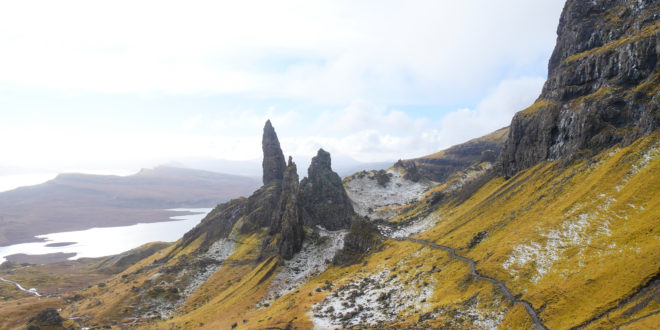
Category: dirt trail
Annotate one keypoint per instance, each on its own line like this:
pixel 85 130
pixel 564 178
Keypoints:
pixel 530 310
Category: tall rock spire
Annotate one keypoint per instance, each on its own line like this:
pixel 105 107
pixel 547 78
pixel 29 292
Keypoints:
pixel 273 163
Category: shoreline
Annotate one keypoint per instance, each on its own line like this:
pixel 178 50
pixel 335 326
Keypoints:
pixel 152 216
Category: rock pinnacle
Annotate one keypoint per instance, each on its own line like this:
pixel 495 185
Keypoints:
pixel 273 164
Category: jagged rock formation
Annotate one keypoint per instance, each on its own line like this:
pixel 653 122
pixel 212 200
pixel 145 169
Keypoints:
pixel 286 227
pixel 323 196
pixel 602 86
pixel 275 206
pixel 273 164
pixel 278 207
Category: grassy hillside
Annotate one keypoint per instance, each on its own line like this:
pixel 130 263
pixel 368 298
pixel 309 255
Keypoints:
pixel 577 241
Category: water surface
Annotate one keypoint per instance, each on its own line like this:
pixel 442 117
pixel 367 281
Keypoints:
pixel 99 242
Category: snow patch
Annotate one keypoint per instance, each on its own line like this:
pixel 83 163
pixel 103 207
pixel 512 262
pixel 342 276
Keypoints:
pixel 377 201
pixel 463 177
pixel 313 259
pixel 579 231
pixel 374 300
pixel 219 251
pixel 472 314
pixel 576 232
pixel 209 263
pixel 412 228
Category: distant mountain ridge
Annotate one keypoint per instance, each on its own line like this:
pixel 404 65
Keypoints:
pixel 74 201
pixel 441 165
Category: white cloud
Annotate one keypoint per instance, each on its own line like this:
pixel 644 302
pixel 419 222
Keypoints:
pixel 336 51
pixel 361 130
pixel 357 58
pixel 191 123
pixel 374 133
pixel 360 115
pixel 493 112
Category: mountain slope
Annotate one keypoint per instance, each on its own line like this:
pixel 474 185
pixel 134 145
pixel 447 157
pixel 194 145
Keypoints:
pixel 441 165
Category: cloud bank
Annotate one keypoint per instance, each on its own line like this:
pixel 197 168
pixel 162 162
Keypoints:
pixel 325 51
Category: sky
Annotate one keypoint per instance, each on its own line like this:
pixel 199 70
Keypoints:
pixel 114 86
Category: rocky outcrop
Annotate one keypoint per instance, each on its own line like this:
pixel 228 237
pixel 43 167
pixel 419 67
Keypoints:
pixel 362 238
pixel 602 86
pixel 287 223
pixel 273 164
pixel 323 197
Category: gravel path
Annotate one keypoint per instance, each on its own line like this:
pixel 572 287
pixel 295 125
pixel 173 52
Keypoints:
pixel 530 310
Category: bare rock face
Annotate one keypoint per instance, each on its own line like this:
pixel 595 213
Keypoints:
pixel 602 86
pixel 273 164
pixel 323 197
pixel 286 233
pixel 290 224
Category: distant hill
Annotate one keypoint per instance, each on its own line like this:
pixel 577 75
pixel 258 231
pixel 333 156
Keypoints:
pixel 76 201
pixel 344 165
pixel 441 165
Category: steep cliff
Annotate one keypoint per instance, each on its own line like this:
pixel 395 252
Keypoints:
pixel 602 88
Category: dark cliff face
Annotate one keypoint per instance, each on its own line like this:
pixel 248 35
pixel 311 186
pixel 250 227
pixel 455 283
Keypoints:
pixel 602 86
pixel 273 164
pixel 324 199
pixel 286 229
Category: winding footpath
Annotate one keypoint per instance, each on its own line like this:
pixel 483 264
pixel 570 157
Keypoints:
pixel 530 310
pixel 32 290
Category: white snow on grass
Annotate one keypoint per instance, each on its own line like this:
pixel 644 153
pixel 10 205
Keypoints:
pixel 192 279
pixel 376 201
pixel 313 259
pixel 219 251
pixel 374 300
pixel 577 231
pixel 483 318
pixel 472 314
pixel 415 227
pixel 460 178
